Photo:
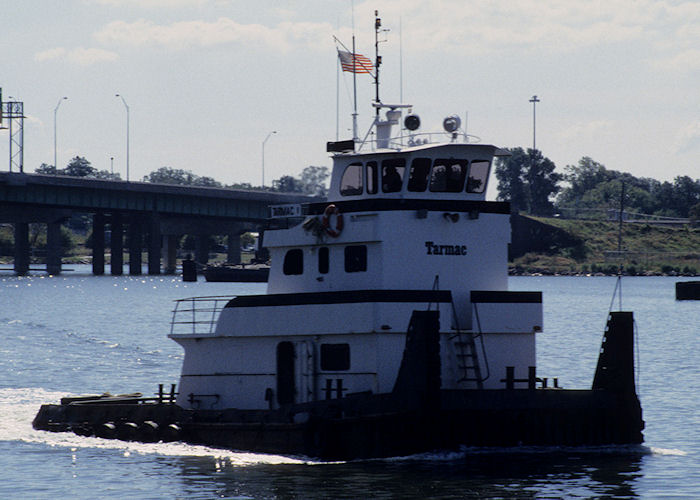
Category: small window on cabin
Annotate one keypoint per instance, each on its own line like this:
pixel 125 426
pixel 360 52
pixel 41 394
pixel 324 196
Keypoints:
pixel 392 174
pixel 419 174
pixel 355 259
pixel 335 357
pixel 448 176
pixel 478 175
pixel 351 182
pixel 372 177
pixel 293 261
pixel 323 260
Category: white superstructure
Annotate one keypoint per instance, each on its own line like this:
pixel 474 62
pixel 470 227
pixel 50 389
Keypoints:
pixel 405 227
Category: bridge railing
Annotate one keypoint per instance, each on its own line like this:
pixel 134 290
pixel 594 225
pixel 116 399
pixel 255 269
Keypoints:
pixel 197 315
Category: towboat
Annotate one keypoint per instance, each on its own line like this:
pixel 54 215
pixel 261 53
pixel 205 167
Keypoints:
pixel 387 328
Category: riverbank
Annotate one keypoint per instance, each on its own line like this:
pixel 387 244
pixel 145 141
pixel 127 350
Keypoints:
pixel 553 246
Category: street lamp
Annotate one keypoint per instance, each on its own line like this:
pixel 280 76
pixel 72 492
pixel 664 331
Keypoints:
pixel 127 134
pixel 263 156
pixel 534 102
pixel 55 112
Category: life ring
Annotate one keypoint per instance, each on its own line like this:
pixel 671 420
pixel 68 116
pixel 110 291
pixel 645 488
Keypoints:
pixel 326 221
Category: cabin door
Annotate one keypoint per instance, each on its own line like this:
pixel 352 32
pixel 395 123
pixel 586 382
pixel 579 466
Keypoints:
pixel 286 388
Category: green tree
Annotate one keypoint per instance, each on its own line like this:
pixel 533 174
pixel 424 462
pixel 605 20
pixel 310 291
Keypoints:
pixel 79 167
pixel 528 180
pixel 314 179
pixel 312 182
pixel 167 175
pixel 511 185
pixel 694 214
pixel 686 194
pixel 46 169
pixel 287 184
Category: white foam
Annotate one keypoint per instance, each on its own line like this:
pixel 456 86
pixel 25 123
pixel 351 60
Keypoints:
pixel 19 406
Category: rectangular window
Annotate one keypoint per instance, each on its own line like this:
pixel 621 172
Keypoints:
pixel 351 182
pixel 323 260
pixel 335 357
pixel 478 175
pixel 293 261
pixel 448 176
pixel 355 259
pixel 392 174
pixel 372 177
pixel 418 176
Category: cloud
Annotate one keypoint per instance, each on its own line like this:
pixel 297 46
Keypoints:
pixel 149 4
pixel 687 138
pixel 558 26
pixel 682 61
pixel 80 55
pixel 591 130
pixel 185 34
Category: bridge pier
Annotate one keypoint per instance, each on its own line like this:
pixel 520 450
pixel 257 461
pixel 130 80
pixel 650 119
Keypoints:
pixel 135 245
pixel 116 245
pixel 21 248
pixel 98 244
pixel 154 244
pixel 169 253
pixel 201 249
pixel 233 254
pixel 53 247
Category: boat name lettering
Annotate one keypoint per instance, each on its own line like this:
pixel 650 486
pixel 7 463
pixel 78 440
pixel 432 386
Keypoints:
pixel 285 210
pixel 434 249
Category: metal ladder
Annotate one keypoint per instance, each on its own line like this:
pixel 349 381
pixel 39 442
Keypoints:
pixel 467 359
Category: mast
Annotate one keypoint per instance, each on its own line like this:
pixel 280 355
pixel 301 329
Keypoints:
pixel 378 58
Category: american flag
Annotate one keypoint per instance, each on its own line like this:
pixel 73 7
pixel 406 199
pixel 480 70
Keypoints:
pixel 361 63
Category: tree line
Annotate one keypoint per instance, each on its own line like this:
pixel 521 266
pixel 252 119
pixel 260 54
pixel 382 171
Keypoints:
pixel 312 180
pixel 530 182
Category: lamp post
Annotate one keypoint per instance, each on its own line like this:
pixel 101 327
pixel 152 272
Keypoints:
pixel 263 156
pixel 55 112
pixel 534 102
pixel 127 134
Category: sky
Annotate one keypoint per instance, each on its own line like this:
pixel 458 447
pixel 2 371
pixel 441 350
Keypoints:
pixel 206 81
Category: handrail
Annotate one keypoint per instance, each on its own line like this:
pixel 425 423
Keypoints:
pixel 421 138
pixel 197 315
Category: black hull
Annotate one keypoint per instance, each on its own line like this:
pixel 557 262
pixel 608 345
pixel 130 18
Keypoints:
pixel 236 274
pixel 365 427
pixel 688 290
pixel 417 416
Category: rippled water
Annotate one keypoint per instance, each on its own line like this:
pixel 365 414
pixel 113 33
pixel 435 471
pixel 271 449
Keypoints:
pixel 81 334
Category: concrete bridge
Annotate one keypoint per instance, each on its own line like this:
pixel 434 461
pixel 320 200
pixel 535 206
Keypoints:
pixel 153 215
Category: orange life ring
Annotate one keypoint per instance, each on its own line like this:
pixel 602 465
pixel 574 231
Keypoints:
pixel 326 221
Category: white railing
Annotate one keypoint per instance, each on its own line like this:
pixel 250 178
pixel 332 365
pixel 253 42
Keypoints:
pixel 197 315
pixel 418 139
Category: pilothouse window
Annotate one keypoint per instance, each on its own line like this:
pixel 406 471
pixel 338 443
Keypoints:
pixel 351 182
pixel 392 174
pixel 478 174
pixel 448 176
pixel 418 176
pixel 372 177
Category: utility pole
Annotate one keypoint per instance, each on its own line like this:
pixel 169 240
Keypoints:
pixel 55 113
pixel 534 100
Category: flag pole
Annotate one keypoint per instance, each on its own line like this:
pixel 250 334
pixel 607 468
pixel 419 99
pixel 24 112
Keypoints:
pixel 354 79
